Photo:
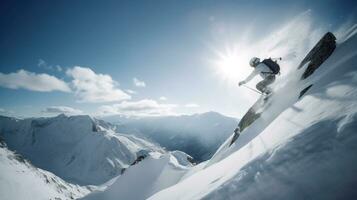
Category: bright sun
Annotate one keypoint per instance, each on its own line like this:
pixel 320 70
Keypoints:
pixel 232 65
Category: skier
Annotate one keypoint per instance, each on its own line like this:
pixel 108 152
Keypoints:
pixel 267 69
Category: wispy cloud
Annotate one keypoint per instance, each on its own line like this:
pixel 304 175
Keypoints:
pixel 6 112
pixel 139 83
pixel 192 105
pixel 130 91
pixel 145 107
pixel 62 109
pixel 162 98
pixel 32 81
pixel 3 111
pixel 59 68
pixel 91 87
pixel 43 64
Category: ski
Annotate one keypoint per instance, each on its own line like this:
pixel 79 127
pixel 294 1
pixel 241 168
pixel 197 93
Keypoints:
pixel 235 136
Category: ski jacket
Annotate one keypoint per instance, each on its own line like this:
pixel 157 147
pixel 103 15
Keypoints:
pixel 262 69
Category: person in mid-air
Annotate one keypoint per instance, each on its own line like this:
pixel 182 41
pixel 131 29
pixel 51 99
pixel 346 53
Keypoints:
pixel 267 69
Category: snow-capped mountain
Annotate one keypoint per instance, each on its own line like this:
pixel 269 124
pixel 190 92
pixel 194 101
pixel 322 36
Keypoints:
pixel 79 149
pixel 299 148
pixel 144 179
pixel 19 179
pixel 302 145
pixel 199 135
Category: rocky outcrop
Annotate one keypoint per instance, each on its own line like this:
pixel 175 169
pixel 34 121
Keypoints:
pixel 321 51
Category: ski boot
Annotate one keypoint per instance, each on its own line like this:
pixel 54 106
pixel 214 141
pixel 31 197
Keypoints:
pixel 235 136
pixel 267 94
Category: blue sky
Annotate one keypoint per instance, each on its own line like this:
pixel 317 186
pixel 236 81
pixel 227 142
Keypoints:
pixel 171 49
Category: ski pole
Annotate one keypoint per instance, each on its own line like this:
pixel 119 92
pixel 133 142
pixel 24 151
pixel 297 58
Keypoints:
pixel 253 89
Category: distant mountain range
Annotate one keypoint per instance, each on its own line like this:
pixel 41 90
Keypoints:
pixel 79 149
pixel 198 135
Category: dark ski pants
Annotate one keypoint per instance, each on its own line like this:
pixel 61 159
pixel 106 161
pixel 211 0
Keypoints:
pixel 262 86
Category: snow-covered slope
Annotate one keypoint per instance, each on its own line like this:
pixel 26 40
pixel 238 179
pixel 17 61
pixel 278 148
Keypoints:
pixel 151 175
pixel 78 149
pixel 298 149
pixel 20 180
pixel 199 135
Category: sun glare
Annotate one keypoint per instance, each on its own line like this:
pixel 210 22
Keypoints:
pixel 232 65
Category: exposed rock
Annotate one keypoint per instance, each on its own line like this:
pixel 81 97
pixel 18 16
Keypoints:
pixel 321 51
pixel 304 91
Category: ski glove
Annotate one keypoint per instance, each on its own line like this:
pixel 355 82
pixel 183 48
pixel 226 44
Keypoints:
pixel 241 83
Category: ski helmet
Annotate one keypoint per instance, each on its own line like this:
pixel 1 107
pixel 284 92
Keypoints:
pixel 254 61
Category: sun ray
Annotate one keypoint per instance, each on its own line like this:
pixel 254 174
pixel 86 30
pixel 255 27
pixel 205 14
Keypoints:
pixel 232 63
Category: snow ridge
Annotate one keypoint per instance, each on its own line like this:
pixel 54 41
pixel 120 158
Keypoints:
pixel 79 149
pixel 299 149
pixel 21 180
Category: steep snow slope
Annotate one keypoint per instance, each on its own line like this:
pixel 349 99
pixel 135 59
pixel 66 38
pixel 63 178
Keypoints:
pixel 299 149
pixel 146 178
pixel 78 149
pixel 199 135
pixel 20 180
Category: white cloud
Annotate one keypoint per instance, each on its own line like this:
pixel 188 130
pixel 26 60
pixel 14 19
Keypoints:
pixel 162 98
pixel 6 112
pixel 32 81
pixel 130 91
pixel 62 109
pixel 145 107
pixel 43 64
pixel 91 87
pixel 139 83
pixel 192 105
